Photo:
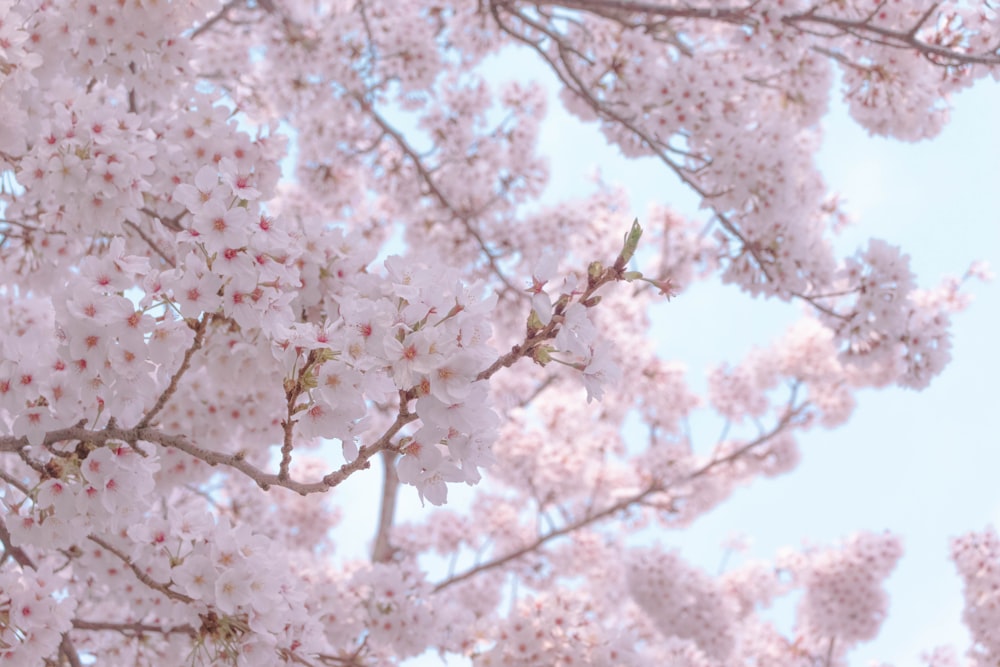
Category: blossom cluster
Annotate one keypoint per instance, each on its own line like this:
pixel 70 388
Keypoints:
pixel 682 601
pixel 844 599
pixel 977 558
pixel 33 614
pixel 554 630
pixel 107 489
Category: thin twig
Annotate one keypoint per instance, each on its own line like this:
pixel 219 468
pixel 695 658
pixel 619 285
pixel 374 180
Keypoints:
pixel 866 30
pixel 151 243
pixel 15 552
pixel 572 81
pixel 236 461
pixel 199 339
pixel 135 628
pixel 653 487
pixel 137 571
pixel 428 180
pixel 541 540
pixel 215 18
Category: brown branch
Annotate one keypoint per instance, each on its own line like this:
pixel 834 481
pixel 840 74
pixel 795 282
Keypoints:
pixel 442 199
pixel 735 15
pixel 140 575
pixel 923 19
pixel 11 551
pixel 534 338
pixel 786 420
pixel 173 224
pixel 215 18
pixel 69 651
pixel 653 487
pixel 236 461
pixel 287 443
pixel 382 551
pixel 151 243
pixel 839 57
pixel 30 228
pixel 199 339
pixel 135 629
pixel 570 79
pixel 542 539
pixel 5 476
pixel 372 51
pixel 866 30
pixel 293 389
pixel 542 386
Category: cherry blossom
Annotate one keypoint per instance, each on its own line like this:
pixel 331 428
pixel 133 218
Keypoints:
pixel 253 253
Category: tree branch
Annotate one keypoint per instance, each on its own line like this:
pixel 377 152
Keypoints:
pixel 734 15
pixel 442 199
pixel 151 243
pixel 866 29
pixel 199 339
pixel 236 461
pixel 133 629
pixel 382 551
pixel 215 18
pixel 653 487
pixel 547 537
pixel 11 551
pixel 570 79
pixel 140 575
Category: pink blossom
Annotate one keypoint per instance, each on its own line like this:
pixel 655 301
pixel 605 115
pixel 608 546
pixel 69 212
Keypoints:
pixel 220 228
pixel 232 232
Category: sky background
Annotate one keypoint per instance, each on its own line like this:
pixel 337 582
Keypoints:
pixel 920 464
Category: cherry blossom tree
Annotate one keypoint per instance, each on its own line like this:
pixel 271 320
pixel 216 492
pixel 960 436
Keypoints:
pixel 200 346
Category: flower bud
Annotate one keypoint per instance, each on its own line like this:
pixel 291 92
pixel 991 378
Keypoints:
pixel 542 355
pixel 631 243
pixel 594 272
pixel 310 380
pixel 534 322
pixel 325 354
